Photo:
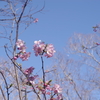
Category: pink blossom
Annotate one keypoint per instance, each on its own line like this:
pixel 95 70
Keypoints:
pixel 21 45
pixel 22 48
pixel 49 50
pixel 24 56
pixel 29 71
pixel 41 48
pixel 57 89
pixel 31 78
pixel 48 87
pixel 36 20
pixel 32 82
pixel 15 58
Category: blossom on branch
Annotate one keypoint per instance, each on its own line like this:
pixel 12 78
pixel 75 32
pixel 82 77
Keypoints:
pixel 36 20
pixel 30 78
pixel 57 89
pixel 22 48
pixel 28 71
pixel 41 48
pixel 15 58
pixel 24 56
pixel 49 51
pixel 21 45
pixel 53 91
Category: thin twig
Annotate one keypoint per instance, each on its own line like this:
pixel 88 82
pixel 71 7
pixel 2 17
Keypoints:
pixel 2 93
pixel 6 85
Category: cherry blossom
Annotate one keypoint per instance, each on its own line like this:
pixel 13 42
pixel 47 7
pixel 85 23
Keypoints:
pixel 41 48
pixel 36 20
pixel 28 71
pixel 19 43
pixel 31 79
pixel 22 48
pixel 22 53
pixel 57 89
pixel 24 56
pixel 38 47
pixel 15 58
pixel 49 50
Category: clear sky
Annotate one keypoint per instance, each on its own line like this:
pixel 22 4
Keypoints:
pixel 57 22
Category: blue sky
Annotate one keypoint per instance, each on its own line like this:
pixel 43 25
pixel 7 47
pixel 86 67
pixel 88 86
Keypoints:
pixel 57 22
pixel 60 19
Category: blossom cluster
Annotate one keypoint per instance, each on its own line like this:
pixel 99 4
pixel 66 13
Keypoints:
pixel 30 78
pixel 40 48
pixel 44 88
pixel 56 90
pixel 29 71
pixel 22 51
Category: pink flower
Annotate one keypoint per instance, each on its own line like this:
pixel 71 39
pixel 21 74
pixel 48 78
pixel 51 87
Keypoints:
pixel 29 71
pixel 41 48
pixel 15 58
pixel 57 89
pixel 24 56
pixel 21 45
pixel 49 50
pixel 36 20
pixel 31 78
pixel 22 48
pixel 48 87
